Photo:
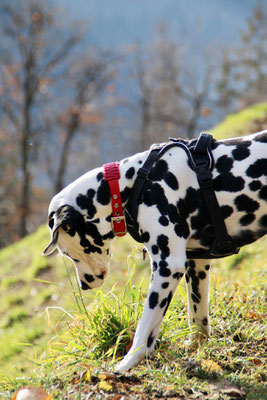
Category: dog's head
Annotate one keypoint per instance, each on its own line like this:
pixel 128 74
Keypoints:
pixel 79 239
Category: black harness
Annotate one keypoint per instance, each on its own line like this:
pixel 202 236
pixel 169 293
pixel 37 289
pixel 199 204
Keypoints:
pixel 201 161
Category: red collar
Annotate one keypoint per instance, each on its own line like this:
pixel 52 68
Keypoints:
pixel 112 176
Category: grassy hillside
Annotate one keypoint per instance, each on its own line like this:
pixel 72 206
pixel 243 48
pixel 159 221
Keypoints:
pixel 250 120
pixel 35 291
pixel 53 337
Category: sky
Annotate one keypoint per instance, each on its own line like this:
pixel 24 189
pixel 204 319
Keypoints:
pixel 118 23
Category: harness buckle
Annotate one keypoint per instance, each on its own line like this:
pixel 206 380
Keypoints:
pixel 115 221
pixel 143 172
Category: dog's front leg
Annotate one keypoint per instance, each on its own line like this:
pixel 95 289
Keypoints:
pixel 197 278
pixel 164 280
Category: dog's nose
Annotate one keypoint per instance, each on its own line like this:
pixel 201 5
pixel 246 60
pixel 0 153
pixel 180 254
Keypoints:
pixel 90 278
pixel 102 275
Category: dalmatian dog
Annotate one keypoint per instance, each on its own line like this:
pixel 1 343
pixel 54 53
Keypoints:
pixel 172 218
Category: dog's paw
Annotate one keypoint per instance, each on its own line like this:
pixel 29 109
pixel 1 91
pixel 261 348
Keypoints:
pixel 125 365
pixel 129 361
pixel 196 341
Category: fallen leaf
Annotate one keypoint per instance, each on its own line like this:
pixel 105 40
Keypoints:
pixel 251 315
pixel 103 385
pixel 211 366
pixel 31 393
pixel 256 361
pixel 107 376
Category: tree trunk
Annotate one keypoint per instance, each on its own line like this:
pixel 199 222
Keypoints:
pixel 25 157
pixel 73 126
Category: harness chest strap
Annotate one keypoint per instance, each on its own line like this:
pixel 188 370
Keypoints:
pixel 112 176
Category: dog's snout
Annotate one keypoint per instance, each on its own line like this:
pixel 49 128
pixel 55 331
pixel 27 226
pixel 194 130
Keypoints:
pixel 89 278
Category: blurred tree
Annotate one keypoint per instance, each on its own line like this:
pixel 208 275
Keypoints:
pixel 145 99
pixel 89 78
pixel 174 94
pixel 49 94
pixel 243 78
pixel 28 59
pixel 9 185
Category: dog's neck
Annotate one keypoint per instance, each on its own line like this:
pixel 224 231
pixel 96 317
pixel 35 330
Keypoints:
pixel 91 196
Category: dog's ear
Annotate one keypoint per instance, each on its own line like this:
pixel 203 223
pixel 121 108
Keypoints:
pixel 53 243
pixel 67 218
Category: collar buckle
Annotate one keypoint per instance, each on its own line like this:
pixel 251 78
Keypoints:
pixel 118 224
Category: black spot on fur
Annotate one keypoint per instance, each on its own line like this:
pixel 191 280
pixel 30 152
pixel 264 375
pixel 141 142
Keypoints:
pixel 177 275
pixel 182 229
pixel 99 176
pixel 171 180
pixel 245 203
pixel 155 249
pixel 244 237
pixel 241 153
pixel 191 276
pixel 153 300
pixel 263 221
pixel 85 202
pixel 162 242
pixel 163 220
pixel 207 267
pixel 190 203
pixel 91 229
pixel 262 138
pixel 226 211
pixel 247 219
pixel 51 220
pixel 150 340
pixel 263 193
pixel 155 266
pixel 224 164
pixel 258 168
pixel 130 173
pixel 145 237
pixel 165 285
pixel 155 195
pixel 169 299
pixel 202 274
pixel 125 194
pixel 255 185
pixel 205 321
pixel 159 170
pixel 163 270
pixel 173 213
pixel 228 182
pixel 103 193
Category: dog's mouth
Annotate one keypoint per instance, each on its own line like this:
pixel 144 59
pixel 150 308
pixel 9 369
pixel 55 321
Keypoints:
pixel 89 281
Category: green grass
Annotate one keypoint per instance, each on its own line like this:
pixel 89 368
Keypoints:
pixel 68 343
pixel 80 356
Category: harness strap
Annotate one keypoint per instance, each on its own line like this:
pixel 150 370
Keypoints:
pixel 223 244
pixel 131 208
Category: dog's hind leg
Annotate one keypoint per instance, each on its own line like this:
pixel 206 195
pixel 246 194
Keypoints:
pixel 197 279
pixel 166 273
